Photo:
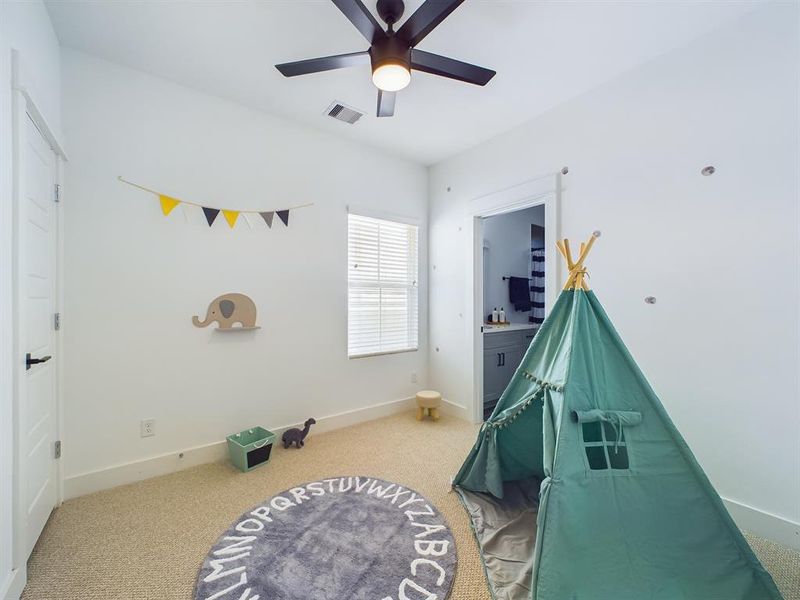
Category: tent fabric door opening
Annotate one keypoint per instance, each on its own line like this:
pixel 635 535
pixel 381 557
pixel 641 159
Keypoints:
pixel 579 485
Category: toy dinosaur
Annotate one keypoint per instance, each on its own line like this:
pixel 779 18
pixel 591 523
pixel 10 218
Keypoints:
pixel 296 436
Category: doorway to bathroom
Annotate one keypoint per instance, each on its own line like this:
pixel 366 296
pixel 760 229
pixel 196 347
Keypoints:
pixel 513 255
pixel 543 194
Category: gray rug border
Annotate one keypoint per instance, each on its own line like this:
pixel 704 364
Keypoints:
pixel 304 484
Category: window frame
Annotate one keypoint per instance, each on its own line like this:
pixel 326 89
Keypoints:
pixel 395 219
pixel 608 446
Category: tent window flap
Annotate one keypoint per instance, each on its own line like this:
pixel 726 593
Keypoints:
pixel 604 437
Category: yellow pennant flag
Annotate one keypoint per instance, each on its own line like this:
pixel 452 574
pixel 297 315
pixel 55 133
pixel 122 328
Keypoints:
pixel 231 216
pixel 167 204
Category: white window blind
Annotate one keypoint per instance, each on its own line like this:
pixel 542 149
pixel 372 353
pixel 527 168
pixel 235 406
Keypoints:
pixel 382 299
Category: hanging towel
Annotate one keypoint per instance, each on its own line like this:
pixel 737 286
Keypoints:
pixel 537 286
pixel 519 294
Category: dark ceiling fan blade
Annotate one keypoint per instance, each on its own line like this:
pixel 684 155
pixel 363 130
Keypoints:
pixel 386 103
pixel 449 67
pixel 359 15
pixel 425 19
pixel 326 63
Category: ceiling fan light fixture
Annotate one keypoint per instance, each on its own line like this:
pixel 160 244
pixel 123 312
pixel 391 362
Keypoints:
pixel 392 54
pixel 391 76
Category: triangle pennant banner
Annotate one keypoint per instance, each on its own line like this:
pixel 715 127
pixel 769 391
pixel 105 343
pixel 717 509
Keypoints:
pixel 231 216
pixel 267 216
pixel 211 215
pixel 167 204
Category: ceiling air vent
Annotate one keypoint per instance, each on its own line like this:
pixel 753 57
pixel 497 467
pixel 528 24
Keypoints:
pixel 340 112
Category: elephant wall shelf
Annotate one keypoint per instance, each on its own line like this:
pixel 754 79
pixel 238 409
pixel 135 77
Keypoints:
pixel 228 310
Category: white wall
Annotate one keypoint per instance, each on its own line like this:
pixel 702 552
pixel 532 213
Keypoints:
pixel 507 252
pixel 26 28
pixel 134 278
pixel 719 253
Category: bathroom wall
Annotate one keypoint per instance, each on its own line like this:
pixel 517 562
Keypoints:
pixel 506 252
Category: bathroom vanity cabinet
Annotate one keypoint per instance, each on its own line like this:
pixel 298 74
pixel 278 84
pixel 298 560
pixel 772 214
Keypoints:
pixel 503 349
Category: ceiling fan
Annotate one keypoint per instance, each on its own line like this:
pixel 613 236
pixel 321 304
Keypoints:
pixel 392 54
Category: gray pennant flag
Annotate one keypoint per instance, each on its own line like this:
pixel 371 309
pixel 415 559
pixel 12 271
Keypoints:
pixel 267 216
pixel 211 214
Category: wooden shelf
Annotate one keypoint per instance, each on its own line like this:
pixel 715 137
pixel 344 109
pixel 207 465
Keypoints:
pixel 226 329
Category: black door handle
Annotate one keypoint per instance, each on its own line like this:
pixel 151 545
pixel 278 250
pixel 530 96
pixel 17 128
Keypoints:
pixel 503 359
pixel 34 361
pixel 498 360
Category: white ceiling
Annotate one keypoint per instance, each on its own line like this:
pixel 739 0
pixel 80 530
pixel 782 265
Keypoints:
pixel 544 53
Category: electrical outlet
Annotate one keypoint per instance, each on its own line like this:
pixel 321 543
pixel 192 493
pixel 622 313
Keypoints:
pixel 148 427
pixel 413 378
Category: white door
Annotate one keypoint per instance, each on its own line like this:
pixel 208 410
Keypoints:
pixel 38 276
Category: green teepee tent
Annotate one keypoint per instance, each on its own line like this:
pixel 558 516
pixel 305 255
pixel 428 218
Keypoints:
pixel 580 487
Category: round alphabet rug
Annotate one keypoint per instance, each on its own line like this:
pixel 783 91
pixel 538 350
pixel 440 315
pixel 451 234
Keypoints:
pixel 344 538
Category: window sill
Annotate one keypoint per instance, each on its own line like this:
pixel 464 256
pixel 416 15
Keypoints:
pixel 368 354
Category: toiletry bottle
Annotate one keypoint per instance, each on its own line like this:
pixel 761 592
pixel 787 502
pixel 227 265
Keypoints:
pixel 494 315
pixel 502 315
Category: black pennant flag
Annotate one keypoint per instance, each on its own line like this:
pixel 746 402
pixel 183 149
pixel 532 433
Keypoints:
pixel 284 216
pixel 211 214
pixel 267 216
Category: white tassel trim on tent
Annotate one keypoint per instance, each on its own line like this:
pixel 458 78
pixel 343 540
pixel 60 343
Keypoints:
pixel 539 393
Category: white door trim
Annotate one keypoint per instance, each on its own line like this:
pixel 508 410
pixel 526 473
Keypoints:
pixel 541 191
pixel 23 107
pixel 19 79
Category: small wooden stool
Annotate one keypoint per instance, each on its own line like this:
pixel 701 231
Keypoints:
pixel 428 401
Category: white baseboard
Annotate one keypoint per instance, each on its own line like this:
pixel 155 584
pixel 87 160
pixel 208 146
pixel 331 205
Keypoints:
pixel 103 479
pixel 13 586
pixel 764 524
pixel 455 410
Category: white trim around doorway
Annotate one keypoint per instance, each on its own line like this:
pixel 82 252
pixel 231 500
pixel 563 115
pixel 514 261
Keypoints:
pixel 541 191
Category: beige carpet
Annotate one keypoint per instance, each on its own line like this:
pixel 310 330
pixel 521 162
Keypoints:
pixel 148 540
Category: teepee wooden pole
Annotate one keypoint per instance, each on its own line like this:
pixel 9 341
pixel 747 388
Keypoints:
pixel 576 279
pixel 563 250
pixel 560 246
pixel 585 250
pixel 570 264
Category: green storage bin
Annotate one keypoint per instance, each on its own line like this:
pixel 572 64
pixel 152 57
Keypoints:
pixel 250 448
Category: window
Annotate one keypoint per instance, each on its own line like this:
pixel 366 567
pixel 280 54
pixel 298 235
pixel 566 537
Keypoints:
pixel 603 449
pixel 382 294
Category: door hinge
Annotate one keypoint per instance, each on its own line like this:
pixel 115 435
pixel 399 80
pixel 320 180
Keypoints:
pixel 58 449
pixel 57 321
pixel 57 197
